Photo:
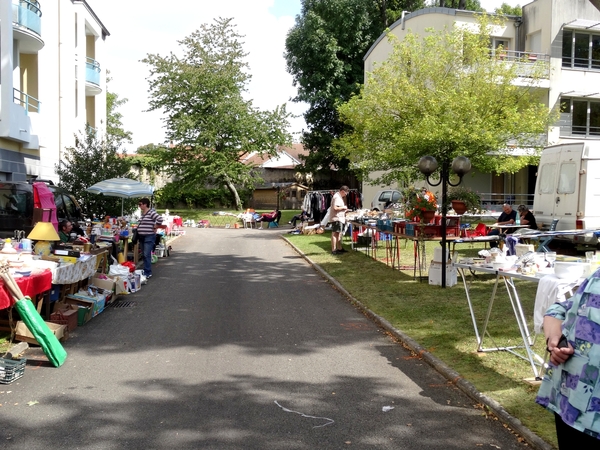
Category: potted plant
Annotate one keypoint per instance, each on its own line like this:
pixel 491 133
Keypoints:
pixel 464 200
pixel 419 204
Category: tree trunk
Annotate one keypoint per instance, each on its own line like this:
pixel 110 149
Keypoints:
pixel 234 192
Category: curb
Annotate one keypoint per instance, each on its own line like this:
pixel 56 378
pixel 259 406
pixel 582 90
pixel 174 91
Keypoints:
pixel 513 423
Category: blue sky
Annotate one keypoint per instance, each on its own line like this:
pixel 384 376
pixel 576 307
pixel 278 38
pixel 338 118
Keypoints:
pixel 285 8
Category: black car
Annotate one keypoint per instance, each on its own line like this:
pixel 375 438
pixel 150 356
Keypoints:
pixel 16 206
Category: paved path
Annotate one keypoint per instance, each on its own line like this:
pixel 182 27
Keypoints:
pixel 237 343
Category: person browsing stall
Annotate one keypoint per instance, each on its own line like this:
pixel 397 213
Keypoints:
pixel 508 217
pixel 149 223
pixel 338 220
pixel 527 217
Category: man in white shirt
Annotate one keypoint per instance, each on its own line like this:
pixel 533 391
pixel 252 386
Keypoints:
pixel 338 219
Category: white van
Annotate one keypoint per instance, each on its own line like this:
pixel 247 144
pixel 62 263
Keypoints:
pixel 568 186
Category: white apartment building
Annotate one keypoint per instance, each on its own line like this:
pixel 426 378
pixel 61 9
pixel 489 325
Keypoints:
pixel 53 84
pixel 563 34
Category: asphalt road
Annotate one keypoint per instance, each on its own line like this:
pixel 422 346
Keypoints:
pixel 238 343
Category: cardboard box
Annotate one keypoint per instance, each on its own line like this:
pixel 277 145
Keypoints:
pixel 84 309
pixel 22 333
pixel 106 284
pixel 435 274
pixel 134 282
pixel 98 301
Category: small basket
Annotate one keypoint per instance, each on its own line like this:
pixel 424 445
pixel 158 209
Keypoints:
pixel 11 370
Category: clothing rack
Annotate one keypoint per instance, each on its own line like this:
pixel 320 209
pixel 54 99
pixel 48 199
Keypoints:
pixel 317 208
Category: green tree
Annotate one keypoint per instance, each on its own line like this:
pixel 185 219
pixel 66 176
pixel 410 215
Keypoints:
pixel 508 10
pixel 468 5
pixel 212 125
pixel 324 55
pixel 443 95
pixel 90 161
pixel 114 124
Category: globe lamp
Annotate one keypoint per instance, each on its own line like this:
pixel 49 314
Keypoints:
pixel 44 234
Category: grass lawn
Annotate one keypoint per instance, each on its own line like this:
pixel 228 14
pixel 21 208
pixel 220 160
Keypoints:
pixel 439 320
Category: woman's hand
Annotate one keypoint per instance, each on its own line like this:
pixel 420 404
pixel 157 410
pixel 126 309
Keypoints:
pixel 559 355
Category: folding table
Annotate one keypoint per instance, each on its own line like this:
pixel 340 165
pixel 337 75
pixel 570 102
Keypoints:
pixel 522 350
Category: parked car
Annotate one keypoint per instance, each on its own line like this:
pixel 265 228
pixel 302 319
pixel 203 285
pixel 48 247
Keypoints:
pixel 16 206
pixel 384 197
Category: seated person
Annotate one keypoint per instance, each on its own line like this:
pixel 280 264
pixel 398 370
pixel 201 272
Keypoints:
pixel 268 217
pixel 527 217
pixel 303 216
pixel 508 217
pixel 64 231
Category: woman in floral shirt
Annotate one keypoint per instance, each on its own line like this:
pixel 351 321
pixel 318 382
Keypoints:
pixel 571 385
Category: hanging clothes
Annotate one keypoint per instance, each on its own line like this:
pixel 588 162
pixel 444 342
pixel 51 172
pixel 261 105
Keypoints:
pixel 316 203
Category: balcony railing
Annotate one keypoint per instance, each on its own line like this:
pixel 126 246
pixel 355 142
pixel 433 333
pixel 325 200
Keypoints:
pixel 92 71
pixel 31 104
pixel 525 61
pixel 27 14
pixel 494 202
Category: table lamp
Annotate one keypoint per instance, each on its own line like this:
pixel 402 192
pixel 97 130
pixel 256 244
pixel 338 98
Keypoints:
pixel 43 233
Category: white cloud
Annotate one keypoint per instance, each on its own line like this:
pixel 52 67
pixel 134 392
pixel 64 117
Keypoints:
pixel 154 26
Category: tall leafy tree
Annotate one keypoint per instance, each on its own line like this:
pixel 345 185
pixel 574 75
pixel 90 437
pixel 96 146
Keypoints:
pixel 114 125
pixel 90 161
pixel 324 54
pixel 443 95
pixel 508 10
pixel 207 118
pixel 469 5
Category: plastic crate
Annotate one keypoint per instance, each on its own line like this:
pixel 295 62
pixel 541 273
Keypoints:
pixel 11 370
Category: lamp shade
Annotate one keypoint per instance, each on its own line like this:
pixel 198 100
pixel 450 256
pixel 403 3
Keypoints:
pixel 461 165
pixel 427 165
pixel 43 231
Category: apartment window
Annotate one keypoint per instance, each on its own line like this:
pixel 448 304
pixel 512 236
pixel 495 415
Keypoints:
pixel 500 46
pixel 581 50
pixel 497 42
pixel 580 117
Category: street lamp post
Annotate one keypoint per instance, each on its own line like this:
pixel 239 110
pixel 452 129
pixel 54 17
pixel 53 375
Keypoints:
pixel 460 166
